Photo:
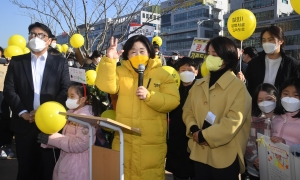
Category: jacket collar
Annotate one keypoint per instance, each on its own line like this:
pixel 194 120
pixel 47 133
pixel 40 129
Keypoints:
pixel 223 81
pixel 152 63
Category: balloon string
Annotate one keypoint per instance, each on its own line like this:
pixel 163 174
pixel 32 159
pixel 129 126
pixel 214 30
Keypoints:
pixel 241 56
pixel 68 55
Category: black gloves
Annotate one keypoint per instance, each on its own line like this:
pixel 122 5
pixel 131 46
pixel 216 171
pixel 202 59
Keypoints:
pixel 43 138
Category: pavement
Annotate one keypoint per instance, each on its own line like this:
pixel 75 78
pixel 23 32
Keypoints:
pixel 9 169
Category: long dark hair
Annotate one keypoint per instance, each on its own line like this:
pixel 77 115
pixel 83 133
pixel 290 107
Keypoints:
pixel 91 98
pixel 290 82
pixel 266 87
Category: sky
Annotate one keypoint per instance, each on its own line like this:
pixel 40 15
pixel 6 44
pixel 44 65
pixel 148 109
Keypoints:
pixel 12 22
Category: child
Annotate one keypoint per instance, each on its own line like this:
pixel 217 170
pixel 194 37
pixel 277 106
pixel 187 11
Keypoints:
pixel 73 162
pixel 263 105
pixel 178 161
pixel 286 127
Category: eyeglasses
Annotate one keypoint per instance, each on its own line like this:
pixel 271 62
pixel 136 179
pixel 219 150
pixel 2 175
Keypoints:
pixel 39 35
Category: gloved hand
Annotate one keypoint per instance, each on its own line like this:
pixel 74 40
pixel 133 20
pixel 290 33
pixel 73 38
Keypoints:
pixel 295 150
pixel 43 138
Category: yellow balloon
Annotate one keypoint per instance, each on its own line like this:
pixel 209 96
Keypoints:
pixel 13 50
pixel 91 77
pixel 174 73
pixel 203 69
pixel 17 40
pixel 77 40
pixel 111 114
pixel 241 24
pixel 296 5
pixel 64 48
pixel 158 40
pixel 47 118
pixel 26 50
pixel 58 47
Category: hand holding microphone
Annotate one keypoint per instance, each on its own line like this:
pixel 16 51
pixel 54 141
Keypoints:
pixel 141 91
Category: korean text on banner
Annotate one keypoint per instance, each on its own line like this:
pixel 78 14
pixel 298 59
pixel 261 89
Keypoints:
pixel 198 48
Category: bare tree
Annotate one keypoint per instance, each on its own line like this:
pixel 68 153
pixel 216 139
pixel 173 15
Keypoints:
pixel 82 16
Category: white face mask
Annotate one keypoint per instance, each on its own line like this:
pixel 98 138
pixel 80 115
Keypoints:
pixel 36 44
pixel 187 76
pixel 98 60
pixel 72 103
pixel 290 104
pixel 267 106
pixel 156 53
pixel 269 48
pixel 70 63
pixel 53 45
pixel 175 58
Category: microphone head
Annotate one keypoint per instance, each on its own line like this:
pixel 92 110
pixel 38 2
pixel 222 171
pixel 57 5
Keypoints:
pixel 141 68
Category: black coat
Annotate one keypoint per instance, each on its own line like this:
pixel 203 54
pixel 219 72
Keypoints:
pixel 19 90
pixel 178 161
pixel 255 74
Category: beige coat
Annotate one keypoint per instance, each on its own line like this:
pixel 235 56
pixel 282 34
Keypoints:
pixel 230 101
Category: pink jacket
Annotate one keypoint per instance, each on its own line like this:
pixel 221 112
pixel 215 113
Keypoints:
pixel 286 127
pixel 73 162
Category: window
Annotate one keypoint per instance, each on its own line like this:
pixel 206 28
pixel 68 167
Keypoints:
pixel 263 16
pixel 154 16
pixel 147 15
pixel 143 15
pixel 151 16
pixel 285 1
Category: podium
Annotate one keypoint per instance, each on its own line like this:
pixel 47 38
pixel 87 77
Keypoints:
pixel 114 160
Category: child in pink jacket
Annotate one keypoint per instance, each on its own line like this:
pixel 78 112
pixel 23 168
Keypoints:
pixel 73 162
pixel 263 104
pixel 286 126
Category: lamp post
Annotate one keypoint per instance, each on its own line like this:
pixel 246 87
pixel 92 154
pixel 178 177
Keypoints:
pixel 199 23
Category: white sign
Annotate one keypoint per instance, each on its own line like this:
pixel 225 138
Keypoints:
pixel 198 48
pixel 145 30
pixel 77 75
pixel 275 160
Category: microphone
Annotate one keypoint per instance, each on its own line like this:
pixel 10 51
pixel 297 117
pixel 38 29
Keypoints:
pixel 141 69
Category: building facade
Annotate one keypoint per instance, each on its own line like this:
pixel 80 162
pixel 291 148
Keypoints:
pixel 118 27
pixel 179 23
pixel 267 13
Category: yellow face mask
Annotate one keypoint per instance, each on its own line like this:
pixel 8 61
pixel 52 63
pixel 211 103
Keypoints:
pixel 139 59
pixel 213 63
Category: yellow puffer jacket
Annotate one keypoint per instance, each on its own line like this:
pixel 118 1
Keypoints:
pixel 145 153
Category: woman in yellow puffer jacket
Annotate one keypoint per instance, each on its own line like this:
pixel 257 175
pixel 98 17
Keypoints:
pixel 143 107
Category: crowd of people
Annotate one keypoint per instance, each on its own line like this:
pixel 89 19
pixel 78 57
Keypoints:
pixel 212 123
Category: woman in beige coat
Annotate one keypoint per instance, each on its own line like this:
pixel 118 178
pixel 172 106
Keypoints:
pixel 217 116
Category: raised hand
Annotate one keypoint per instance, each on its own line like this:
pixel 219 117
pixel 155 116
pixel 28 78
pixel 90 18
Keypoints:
pixel 112 50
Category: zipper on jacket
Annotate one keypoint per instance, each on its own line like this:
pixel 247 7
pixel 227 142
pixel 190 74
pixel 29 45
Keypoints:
pixel 282 127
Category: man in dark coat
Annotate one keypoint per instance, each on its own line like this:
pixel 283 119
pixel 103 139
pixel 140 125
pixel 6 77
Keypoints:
pixel 31 80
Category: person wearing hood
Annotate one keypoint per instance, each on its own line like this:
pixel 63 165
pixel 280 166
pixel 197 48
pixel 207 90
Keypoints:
pixel 178 161
pixel 172 61
pixel 31 80
pixel 144 107
pixel 272 65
